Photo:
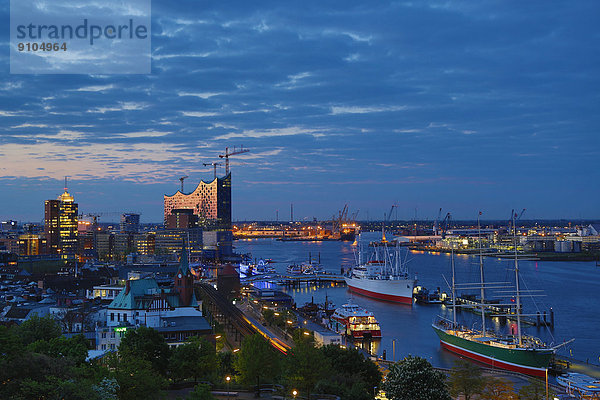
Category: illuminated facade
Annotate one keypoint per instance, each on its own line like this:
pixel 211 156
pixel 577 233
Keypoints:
pixel 60 224
pixel 67 226
pixel 51 208
pixel 31 245
pixel 210 202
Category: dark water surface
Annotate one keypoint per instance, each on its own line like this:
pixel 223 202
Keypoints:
pixel 572 289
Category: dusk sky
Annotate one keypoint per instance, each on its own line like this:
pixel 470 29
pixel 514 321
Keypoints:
pixel 464 105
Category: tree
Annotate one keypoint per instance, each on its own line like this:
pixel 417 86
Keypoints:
pixel 39 328
pixel 194 359
pixel 497 389
pixel 414 378
pixel 107 389
pixel 146 344
pixel 465 379
pixel 269 316
pixel 534 390
pixel 256 361
pixel 200 392
pixel 352 375
pixel 138 380
pixel 36 376
pixel 74 348
pixel 50 366
pixel 225 362
pixel 306 365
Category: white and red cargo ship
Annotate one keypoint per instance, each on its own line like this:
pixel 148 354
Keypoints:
pixel 383 276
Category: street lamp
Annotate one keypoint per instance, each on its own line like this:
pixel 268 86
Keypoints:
pixel 294 393
pixel 227 378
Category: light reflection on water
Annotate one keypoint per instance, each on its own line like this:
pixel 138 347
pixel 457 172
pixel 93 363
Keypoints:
pixel 570 288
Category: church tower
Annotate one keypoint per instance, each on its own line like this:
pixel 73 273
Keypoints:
pixel 184 280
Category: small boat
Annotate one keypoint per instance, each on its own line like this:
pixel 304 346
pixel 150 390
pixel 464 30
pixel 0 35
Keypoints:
pixel 583 386
pixel 354 321
pixel 304 268
pixel 423 296
pixel 294 269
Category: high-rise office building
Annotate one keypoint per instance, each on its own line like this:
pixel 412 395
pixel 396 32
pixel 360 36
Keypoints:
pixel 51 221
pixel 60 224
pixel 130 223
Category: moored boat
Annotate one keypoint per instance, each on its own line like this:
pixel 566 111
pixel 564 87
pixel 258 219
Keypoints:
pixel 583 386
pixel 519 353
pixel 383 276
pixel 356 322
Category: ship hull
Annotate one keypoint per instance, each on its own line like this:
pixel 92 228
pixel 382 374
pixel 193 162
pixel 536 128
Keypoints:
pixel 397 291
pixel 367 333
pixel 526 361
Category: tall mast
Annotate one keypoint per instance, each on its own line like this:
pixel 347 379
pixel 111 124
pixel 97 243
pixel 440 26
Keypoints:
pixel 453 293
pixel 482 279
pixel 517 283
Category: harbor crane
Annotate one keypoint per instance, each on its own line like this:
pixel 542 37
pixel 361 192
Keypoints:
pixel 182 179
pixel 436 227
pixel 516 217
pixel 389 216
pixel 233 153
pixel 445 222
pixel 214 164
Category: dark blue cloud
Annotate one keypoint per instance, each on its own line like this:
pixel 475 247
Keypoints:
pixel 464 105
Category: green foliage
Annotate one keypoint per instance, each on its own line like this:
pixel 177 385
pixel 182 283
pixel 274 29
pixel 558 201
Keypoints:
pixel 415 379
pixel 257 361
pixel 39 328
pixel 201 392
pixel 269 316
pixel 50 366
pixel 497 389
pixel 465 379
pixel 225 364
pixel 74 348
pixel 194 359
pixel 146 344
pixel 279 318
pixel 107 389
pixel 534 390
pixel 10 343
pixel 350 365
pixel 138 380
pixel 305 366
pixel 32 376
pixel 346 390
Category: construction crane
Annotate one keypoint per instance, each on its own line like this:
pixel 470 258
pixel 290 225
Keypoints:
pixel 445 222
pixel 214 164
pixel 436 227
pixel 233 153
pixel 182 179
pixel 389 216
pixel 516 218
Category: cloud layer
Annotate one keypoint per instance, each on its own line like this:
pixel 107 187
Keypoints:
pixel 462 105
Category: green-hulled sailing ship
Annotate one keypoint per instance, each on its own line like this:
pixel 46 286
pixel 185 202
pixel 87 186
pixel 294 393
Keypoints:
pixel 519 353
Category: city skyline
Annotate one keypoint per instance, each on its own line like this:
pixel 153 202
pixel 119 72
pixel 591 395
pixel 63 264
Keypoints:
pixel 488 106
